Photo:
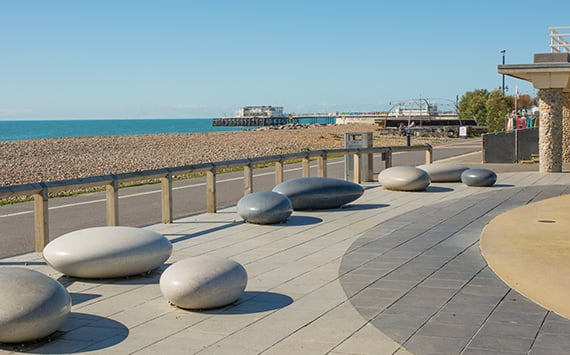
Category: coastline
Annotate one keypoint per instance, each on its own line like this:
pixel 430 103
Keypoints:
pixel 52 159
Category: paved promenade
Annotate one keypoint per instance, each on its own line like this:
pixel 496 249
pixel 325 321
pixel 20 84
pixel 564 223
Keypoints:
pixel 392 273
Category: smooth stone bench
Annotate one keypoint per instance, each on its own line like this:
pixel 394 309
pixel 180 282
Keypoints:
pixel 203 282
pixel 479 177
pixel 33 305
pixel 265 207
pixel 313 193
pixel 106 252
pixel 404 178
pixel 444 172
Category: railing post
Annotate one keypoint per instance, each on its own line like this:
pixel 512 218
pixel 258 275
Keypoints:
pixel 211 190
pixel 357 172
pixel 387 156
pixel 306 166
pixel 248 178
pixel 429 155
pixel 279 171
pixel 113 202
pixel 322 164
pixel 41 218
pixel 166 186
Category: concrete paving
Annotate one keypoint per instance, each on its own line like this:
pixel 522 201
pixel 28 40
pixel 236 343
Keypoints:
pixel 392 273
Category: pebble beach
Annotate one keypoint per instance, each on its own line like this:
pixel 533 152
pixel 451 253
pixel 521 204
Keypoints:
pixel 40 160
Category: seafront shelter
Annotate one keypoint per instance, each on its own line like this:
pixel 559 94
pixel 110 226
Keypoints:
pixel 550 74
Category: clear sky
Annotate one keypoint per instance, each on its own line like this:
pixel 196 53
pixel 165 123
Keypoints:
pixel 207 58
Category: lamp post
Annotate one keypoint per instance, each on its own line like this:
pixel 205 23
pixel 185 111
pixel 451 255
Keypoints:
pixel 503 86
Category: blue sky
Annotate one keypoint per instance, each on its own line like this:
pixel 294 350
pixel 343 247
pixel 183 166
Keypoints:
pixel 123 58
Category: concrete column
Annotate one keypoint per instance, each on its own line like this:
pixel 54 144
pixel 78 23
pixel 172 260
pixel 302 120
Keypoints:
pixel 566 127
pixel 550 131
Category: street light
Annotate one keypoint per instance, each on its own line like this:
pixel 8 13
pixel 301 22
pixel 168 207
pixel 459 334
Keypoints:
pixel 503 86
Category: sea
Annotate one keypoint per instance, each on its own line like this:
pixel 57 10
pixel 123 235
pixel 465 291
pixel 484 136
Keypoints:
pixel 33 129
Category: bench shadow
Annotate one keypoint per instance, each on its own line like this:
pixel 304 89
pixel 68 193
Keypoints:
pixel 438 189
pixel 102 333
pixel 253 302
pixel 148 278
pixel 365 206
pixel 295 221
pixel 204 232
pixel 23 263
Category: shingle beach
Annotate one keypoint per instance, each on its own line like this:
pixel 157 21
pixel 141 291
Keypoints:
pixel 37 160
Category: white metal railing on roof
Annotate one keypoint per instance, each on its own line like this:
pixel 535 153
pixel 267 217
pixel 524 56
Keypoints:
pixel 559 41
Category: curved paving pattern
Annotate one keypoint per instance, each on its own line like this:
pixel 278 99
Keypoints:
pixel 420 279
pixel 532 262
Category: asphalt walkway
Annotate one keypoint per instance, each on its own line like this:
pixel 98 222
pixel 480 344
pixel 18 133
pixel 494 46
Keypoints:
pixel 391 273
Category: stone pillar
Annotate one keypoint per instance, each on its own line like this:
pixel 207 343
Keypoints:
pixel 566 128
pixel 550 130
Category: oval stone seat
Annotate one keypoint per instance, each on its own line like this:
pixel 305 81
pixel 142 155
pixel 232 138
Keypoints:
pixel 479 177
pixel 33 305
pixel 265 207
pixel 443 172
pixel 404 178
pixel 312 193
pixel 203 282
pixel 106 252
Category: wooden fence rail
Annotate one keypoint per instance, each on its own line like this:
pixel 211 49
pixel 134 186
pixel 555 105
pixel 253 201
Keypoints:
pixel 40 191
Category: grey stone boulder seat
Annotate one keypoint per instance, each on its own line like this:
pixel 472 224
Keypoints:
pixel 313 193
pixel 479 177
pixel 444 172
pixel 404 178
pixel 265 207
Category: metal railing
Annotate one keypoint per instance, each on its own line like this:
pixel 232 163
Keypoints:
pixel 559 41
pixel 40 191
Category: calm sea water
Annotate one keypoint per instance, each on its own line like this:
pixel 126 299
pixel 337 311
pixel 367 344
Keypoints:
pixel 31 129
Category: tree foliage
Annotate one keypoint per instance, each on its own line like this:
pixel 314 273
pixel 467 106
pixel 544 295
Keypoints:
pixel 498 106
pixel 473 106
pixel 488 108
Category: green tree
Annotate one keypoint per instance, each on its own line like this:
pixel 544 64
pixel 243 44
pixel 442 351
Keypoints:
pixel 497 106
pixel 473 106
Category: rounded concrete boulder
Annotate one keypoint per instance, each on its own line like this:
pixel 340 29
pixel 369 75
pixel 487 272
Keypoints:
pixel 203 282
pixel 265 207
pixel 404 178
pixel 33 305
pixel 107 252
pixel 313 193
pixel 479 177
pixel 443 172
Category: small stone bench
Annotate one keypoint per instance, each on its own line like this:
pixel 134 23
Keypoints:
pixel 313 193
pixel 404 178
pixel 107 252
pixel 203 282
pixel 33 305
pixel 265 207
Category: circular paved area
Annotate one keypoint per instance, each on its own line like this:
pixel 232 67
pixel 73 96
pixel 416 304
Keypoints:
pixel 420 278
pixel 529 249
